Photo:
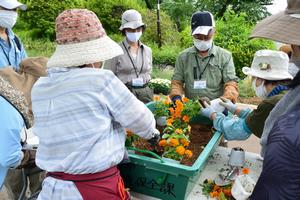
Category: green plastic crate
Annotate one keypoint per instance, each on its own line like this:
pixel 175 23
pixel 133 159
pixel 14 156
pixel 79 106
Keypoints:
pixel 166 181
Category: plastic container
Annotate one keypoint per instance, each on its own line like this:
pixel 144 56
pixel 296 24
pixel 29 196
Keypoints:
pixel 166 180
pixel 242 187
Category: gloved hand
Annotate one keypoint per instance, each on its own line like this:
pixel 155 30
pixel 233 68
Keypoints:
pixel 28 160
pixel 155 137
pixel 175 98
pixel 228 104
pixel 207 110
pixel 215 104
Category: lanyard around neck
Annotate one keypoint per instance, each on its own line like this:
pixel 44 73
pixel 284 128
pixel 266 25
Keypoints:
pixel 198 65
pixel 133 65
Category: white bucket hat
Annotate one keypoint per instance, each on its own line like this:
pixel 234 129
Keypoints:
pixel 269 65
pixel 12 4
pixel 131 19
pixel 81 40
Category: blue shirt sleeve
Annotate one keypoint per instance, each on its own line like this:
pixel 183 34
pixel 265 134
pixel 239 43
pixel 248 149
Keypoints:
pixel 10 135
pixel 233 128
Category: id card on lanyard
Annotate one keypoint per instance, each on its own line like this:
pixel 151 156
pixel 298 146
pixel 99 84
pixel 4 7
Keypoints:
pixel 200 83
pixel 138 82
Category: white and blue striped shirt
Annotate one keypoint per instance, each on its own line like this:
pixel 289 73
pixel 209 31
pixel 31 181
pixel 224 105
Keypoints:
pixel 80 115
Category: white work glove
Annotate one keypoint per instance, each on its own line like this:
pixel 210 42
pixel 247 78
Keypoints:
pixel 207 110
pixel 228 104
pixel 215 105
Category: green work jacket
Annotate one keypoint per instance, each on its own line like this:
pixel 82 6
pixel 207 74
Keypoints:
pixel 217 69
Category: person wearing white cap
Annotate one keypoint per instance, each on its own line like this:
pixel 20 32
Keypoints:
pixel 204 70
pixel 12 51
pixel 134 67
pixel 280 176
pixel 270 77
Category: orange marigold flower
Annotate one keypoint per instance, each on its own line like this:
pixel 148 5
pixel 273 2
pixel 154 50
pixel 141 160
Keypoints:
pixel 179 104
pixel 245 171
pixel 170 121
pixel 162 143
pixel 129 132
pixel 179 131
pixel 184 99
pixel 171 110
pixel 180 150
pixel 217 188
pixel 227 192
pixel 186 119
pixel 188 153
pixel 184 142
pixel 156 98
pixel 214 194
pixel 174 142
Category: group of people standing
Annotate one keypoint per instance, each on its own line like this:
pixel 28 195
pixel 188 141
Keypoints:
pixel 80 101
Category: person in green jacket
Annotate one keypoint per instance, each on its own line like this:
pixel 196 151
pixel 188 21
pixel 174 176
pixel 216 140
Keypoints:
pixel 270 77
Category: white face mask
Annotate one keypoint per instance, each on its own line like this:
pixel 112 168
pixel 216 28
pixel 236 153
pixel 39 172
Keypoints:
pixel 203 45
pixel 133 37
pixel 8 18
pixel 260 91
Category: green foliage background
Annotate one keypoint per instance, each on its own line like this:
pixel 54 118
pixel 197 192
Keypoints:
pixel 36 27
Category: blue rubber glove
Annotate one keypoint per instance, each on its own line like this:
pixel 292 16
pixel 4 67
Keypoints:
pixel 175 98
pixel 228 105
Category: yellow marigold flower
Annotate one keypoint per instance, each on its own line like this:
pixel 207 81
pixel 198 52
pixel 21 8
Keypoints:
pixel 170 121
pixel 156 98
pixel 188 153
pixel 184 99
pixel 184 142
pixel 180 150
pixel 179 131
pixel 245 171
pixel 186 119
pixel 167 101
pixel 162 143
pixel 174 142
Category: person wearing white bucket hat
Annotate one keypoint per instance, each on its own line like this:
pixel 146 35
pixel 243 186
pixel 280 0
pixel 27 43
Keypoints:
pixel 81 112
pixel 11 48
pixel 135 66
pixel 280 176
pixel 270 77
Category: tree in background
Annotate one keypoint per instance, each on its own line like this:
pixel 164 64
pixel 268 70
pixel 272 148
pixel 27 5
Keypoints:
pixel 254 9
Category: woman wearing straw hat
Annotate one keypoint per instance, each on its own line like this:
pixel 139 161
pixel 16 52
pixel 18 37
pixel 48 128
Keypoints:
pixel 280 177
pixel 270 77
pixel 134 67
pixel 81 112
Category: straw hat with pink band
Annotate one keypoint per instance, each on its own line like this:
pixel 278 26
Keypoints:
pixel 81 40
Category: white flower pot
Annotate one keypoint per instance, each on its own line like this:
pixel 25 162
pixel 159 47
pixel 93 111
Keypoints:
pixel 161 121
pixel 242 187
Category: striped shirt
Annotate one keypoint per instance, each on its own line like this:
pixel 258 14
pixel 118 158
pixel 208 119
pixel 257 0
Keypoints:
pixel 80 115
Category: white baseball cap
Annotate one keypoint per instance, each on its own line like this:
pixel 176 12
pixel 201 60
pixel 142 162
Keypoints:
pixel 12 4
pixel 269 65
